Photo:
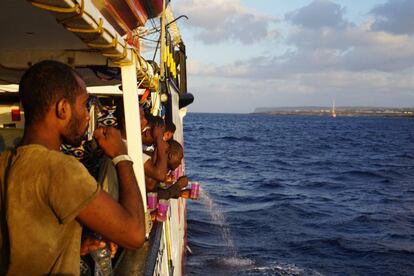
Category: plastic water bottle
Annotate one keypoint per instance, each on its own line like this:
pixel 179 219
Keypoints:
pixel 103 261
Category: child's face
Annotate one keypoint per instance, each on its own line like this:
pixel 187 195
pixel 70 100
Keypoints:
pixel 174 160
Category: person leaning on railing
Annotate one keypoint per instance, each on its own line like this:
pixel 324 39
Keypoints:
pixel 156 161
pixel 45 195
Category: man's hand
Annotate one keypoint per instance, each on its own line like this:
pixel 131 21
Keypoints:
pixel 182 182
pixel 113 247
pixel 90 244
pixel 109 139
pixel 122 222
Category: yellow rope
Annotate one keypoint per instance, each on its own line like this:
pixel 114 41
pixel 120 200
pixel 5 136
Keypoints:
pixel 162 42
pixel 113 44
pixel 156 99
pixel 121 56
pixel 167 234
pixel 79 30
pixel 77 8
pixel 139 84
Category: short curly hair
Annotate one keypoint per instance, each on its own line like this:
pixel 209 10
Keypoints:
pixel 45 83
pixel 175 147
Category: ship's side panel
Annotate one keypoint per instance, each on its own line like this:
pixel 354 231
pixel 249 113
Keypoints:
pixel 178 227
pixel 132 123
pixel 177 233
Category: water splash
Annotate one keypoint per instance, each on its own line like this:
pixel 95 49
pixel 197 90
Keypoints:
pixel 233 263
pixel 218 218
pixel 283 269
pixel 237 262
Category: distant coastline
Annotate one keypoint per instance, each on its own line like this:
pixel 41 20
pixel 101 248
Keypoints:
pixel 340 111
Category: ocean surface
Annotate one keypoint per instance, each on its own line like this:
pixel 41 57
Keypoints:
pixel 288 195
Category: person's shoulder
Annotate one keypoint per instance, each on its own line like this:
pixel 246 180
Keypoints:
pixel 57 158
pixel 53 154
pixel 49 158
pixel 5 154
pixel 61 166
pixel 33 151
pixel 4 157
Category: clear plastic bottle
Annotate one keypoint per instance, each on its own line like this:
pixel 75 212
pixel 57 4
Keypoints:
pixel 103 261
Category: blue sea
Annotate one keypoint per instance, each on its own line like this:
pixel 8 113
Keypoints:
pixel 300 195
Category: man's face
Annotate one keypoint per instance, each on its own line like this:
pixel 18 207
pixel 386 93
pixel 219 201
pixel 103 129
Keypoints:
pixel 79 121
pixel 147 137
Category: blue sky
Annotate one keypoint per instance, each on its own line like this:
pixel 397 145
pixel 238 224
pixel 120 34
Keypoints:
pixel 244 54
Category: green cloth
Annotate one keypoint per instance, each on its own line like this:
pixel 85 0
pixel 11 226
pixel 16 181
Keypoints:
pixel 46 190
pixel 108 178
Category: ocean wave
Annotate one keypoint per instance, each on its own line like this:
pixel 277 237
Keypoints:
pixel 329 185
pixel 236 265
pixel 390 200
pixel 287 211
pixel 209 160
pixel 278 162
pixel 399 236
pixel 362 224
pixel 388 172
pixel 323 247
pixel 256 208
pixel 235 198
pixel 369 219
pixel 282 269
pixel 233 262
pixel 362 174
pixel 237 139
pixel 272 184
pixel 405 155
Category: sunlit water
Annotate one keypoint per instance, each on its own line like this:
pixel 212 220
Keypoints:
pixel 300 195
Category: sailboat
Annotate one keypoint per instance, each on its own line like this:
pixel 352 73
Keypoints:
pixel 333 112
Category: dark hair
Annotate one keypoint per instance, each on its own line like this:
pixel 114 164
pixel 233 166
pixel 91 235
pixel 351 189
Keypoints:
pixel 154 120
pixel 170 126
pixel 175 147
pixel 45 83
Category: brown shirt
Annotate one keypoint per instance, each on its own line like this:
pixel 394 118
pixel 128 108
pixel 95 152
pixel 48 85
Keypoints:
pixel 46 190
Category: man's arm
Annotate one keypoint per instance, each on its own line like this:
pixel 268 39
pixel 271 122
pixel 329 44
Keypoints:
pixel 123 222
pixel 150 183
pixel 159 170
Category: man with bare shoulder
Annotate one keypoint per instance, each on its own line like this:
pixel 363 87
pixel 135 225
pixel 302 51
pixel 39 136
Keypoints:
pixel 45 195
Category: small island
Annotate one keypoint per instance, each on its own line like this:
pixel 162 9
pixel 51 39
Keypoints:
pixel 339 111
